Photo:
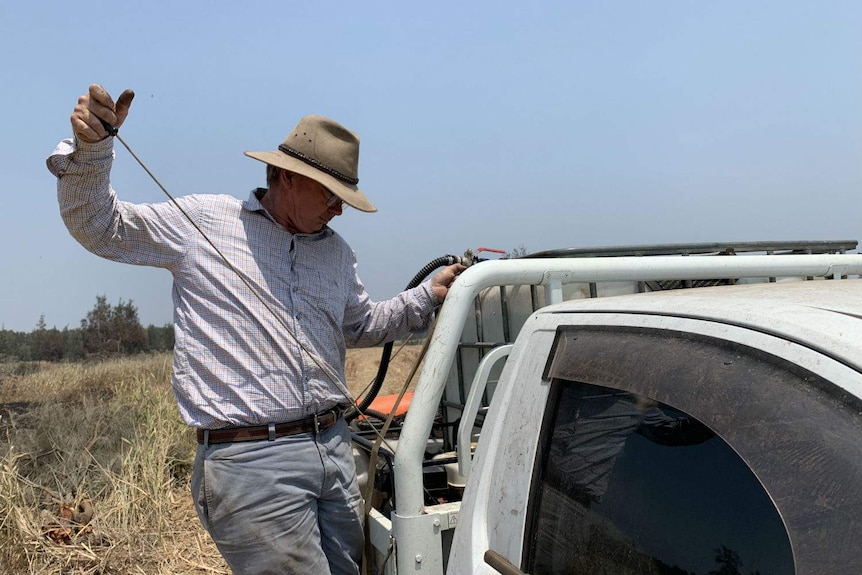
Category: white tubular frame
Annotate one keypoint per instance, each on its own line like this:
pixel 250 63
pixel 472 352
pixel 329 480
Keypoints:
pixel 471 406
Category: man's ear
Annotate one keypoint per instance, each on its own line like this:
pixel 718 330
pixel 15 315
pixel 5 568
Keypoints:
pixel 286 179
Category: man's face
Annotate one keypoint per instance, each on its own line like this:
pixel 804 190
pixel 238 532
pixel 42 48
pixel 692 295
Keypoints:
pixel 306 206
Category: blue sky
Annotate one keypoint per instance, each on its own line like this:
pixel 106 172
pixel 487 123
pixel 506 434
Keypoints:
pixel 496 124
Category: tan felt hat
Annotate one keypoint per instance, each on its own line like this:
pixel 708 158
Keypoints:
pixel 326 152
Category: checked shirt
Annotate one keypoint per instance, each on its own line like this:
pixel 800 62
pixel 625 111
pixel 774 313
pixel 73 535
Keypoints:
pixel 235 363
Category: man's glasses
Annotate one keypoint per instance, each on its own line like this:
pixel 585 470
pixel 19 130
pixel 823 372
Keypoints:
pixel 334 200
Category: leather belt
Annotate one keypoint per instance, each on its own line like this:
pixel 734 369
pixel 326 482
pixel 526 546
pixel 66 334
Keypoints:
pixel 314 424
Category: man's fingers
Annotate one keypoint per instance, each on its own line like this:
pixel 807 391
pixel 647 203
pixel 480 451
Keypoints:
pixel 103 106
pixel 448 275
pixel 455 270
pixel 84 123
pixel 443 280
pixel 100 95
pixel 121 110
pixel 97 106
pixel 83 130
pixel 99 111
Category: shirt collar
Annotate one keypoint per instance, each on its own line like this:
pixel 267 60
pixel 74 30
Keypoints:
pixel 252 204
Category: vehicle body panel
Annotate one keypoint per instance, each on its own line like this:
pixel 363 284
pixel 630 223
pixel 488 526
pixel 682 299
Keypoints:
pixel 815 325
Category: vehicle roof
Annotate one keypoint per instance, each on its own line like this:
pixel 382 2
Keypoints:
pixel 823 314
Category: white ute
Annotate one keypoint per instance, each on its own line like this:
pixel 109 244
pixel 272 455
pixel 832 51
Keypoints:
pixel 682 432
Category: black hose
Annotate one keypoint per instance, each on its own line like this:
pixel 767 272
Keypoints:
pixel 354 411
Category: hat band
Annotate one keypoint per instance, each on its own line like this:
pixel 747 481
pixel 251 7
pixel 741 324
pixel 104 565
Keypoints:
pixel 314 163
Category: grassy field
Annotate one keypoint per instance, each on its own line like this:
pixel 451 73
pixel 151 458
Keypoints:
pixel 95 467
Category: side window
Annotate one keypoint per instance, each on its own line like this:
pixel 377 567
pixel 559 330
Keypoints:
pixel 629 485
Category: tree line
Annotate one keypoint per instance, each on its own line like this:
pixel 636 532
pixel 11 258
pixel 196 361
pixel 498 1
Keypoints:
pixel 107 330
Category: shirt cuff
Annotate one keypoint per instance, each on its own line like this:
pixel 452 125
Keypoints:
pixel 433 302
pixel 94 150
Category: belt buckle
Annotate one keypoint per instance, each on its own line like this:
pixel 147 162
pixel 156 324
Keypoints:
pixel 316 425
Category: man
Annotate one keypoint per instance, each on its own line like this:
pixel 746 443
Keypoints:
pixel 266 299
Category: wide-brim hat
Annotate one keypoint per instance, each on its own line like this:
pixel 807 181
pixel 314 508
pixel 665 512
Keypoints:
pixel 326 152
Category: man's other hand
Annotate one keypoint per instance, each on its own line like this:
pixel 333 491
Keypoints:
pixel 442 281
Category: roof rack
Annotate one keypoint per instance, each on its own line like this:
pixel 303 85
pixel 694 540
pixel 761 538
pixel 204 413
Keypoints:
pixel 716 248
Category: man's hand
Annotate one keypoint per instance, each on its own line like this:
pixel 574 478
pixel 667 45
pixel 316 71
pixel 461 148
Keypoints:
pixel 97 105
pixel 441 282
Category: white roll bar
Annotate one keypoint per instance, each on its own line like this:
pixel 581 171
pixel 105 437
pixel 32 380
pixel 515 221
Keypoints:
pixel 554 272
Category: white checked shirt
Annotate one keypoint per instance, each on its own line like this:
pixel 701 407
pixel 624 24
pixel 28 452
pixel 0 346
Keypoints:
pixel 234 362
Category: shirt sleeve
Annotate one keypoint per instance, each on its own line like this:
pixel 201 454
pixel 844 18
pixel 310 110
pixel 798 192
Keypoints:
pixel 139 234
pixel 368 323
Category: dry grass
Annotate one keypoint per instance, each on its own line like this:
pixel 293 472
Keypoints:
pixel 108 434
pixel 361 367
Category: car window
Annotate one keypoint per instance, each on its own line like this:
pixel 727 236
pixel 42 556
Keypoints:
pixel 630 485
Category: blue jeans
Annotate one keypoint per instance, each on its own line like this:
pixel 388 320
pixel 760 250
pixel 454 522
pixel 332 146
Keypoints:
pixel 280 507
